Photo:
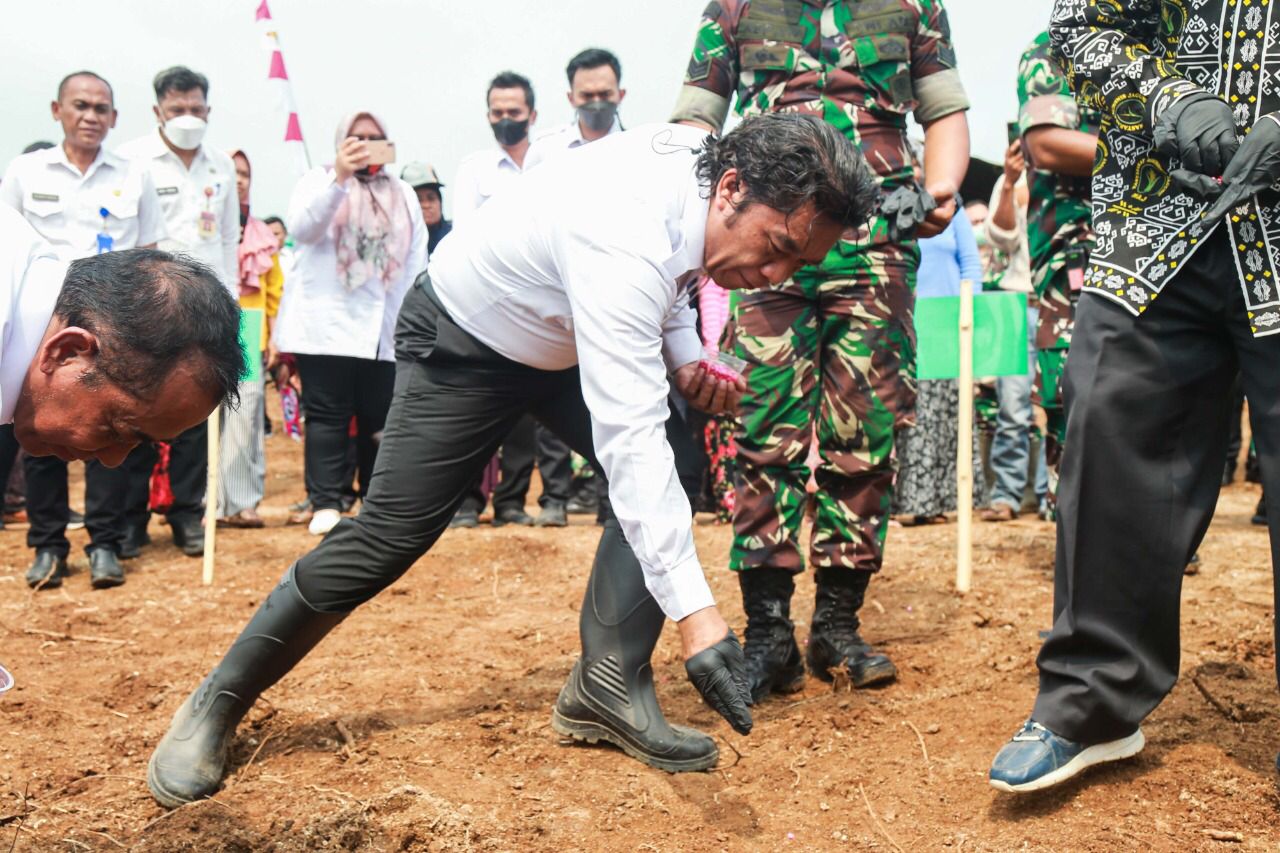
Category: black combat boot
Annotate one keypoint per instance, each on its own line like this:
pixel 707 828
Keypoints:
pixel 609 695
pixel 773 658
pixel 833 637
pixel 190 760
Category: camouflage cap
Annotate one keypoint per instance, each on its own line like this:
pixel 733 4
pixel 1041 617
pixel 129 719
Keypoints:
pixel 419 174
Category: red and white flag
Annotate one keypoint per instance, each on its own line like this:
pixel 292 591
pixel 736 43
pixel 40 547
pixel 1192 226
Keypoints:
pixel 279 80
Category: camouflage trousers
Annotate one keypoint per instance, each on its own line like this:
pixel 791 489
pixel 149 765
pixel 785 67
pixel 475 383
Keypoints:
pixel 1053 340
pixel 830 353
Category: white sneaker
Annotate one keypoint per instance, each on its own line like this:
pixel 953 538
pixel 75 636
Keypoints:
pixel 323 521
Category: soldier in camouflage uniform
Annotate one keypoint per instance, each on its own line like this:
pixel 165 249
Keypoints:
pixel 835 345
pixel 1059 137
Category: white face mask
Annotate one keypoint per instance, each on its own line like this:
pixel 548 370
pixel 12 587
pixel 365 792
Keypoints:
pixel 186 132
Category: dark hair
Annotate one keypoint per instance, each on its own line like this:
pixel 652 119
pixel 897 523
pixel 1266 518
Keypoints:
pixel 152 311
pixel 38 145
pixel 511 80
pixel 785 160
pixel 62 85
pixel 593 57
pixel 179 79
pixel 272 220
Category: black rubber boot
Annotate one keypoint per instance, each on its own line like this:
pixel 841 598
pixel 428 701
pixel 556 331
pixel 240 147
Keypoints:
pixel 609 695
pixel 188 763
pixel 833 637
pixel 773 658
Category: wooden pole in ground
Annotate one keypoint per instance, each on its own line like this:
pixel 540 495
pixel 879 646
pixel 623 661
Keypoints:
pixel 964 445
pixel 211 495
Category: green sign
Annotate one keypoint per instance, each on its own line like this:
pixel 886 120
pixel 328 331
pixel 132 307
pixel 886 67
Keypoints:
pixel 999 335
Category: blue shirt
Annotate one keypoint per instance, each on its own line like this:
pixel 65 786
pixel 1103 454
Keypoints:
pixel 948 258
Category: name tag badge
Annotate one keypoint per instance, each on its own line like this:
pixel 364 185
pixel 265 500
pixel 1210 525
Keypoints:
pixel 166 191
pixel 208 225
pixel 44 197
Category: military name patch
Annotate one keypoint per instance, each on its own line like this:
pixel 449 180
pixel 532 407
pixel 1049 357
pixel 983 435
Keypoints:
pixel 44 197
pixel 166 190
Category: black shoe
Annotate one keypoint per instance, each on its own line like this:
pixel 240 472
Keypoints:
pixel 135 539
pixel 105 570
pixel 75 520
pixel 511 515
pixel 190 760
pixel 579 506
pixel 189 536
pixel 609 695
pixel 347 502
pixel 47 570
pixel 833 636
pixel 773 658
pixel 465 518
pixel 552 515
pixel 1260 514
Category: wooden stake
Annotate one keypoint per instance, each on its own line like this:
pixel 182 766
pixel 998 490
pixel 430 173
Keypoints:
pixel 211 495
pixel 964 445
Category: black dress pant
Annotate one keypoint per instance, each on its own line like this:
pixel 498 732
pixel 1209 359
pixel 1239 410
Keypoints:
pixel 188 477
pixel 105 491
pixel 9 449
pixel 334 390
pixel 515 469
pixel 555 467
pixel 455 402
pixel 1148 403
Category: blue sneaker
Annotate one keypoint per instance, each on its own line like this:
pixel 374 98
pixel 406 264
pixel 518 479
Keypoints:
pixel 1036 758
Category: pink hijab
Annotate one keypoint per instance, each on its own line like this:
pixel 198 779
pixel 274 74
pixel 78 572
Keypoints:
pixel 372 227
pixel 257 246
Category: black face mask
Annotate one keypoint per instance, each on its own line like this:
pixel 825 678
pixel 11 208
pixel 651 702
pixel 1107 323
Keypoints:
pixel 508 131
pixel 598 115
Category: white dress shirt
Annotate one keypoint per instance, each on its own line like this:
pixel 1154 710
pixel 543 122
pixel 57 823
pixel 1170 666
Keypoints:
pixel 481 176
pixel 200 204
pixel 318 315
pixel 559 141
pixel 65 206
pixel 31 273
pixel 588 260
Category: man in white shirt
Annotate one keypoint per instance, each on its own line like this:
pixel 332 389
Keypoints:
pixel 567 297
pixel 481 176
pixel 595 91
pixel 83 200
pixel 197 189
pixel 114 350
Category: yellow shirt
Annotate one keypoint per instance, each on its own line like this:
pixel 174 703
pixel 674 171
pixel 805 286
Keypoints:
pixel 267 297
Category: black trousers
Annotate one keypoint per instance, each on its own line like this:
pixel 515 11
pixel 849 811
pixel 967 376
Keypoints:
pixel 334 390
pixel 188 477
pixel 455 401
pixel 515 467
pixel 555 467
pixel 105 491
pixel 9 448
pixel 1148 404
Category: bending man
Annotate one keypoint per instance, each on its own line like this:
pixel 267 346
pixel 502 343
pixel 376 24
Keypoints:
pixel 580 316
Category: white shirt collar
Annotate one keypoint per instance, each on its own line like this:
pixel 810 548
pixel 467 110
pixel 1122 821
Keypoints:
pixel 57 156
pixel 575 130
pixel 157 148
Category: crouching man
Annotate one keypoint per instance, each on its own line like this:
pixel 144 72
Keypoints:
pixel 580 316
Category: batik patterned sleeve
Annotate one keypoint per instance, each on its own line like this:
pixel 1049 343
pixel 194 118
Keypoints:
pixel 1044 98
pixel 712 76
pixel 1119 57
pixel 934 76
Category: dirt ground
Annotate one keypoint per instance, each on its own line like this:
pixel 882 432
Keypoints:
pixel 444 686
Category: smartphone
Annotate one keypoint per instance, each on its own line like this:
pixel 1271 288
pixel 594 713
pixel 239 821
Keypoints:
pixel 1011 128
pixel 381 152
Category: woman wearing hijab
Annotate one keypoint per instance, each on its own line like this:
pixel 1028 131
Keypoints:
pixel 243 461
pixel 359 242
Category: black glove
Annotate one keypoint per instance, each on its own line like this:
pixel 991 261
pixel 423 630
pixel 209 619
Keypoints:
pixel 904 209
pixel 1255 167
pixel 1200 131
pixel 719 673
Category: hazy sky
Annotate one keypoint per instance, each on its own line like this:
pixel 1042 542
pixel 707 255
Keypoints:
pixel 422 64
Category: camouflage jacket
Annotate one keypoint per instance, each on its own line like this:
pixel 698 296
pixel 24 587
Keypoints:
pixel 1059 230
pixel 862 65
pixel 1132 59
